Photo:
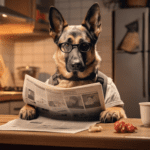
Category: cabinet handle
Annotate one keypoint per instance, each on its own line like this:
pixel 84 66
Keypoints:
pixel 17 108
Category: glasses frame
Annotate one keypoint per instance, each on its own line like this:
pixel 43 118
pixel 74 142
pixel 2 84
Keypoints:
pixel 74 45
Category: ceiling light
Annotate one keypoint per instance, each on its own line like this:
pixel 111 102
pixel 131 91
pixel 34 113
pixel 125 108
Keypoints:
pixel 4 15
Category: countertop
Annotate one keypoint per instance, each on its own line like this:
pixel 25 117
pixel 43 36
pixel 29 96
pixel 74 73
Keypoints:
pixel 9 95
pixel 108 138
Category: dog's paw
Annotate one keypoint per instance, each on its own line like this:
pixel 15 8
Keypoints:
pixel 112 114
pixel 109 116
pixel 27 112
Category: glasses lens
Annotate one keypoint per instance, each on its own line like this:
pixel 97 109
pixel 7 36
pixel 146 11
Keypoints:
pixel 66 47
pixel 84 47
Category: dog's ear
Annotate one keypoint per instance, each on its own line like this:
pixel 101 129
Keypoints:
pixel 57 23
pixel 92 21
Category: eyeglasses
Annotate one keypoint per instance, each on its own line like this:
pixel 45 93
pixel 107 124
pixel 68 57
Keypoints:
pixel 67 47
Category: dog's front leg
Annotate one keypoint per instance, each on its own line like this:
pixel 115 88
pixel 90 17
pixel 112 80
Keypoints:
pixel 112 114
pixel 28 112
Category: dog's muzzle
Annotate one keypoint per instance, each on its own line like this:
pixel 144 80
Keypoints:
pixel 75 62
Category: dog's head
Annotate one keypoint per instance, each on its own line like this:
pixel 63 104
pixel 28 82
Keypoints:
pixel 76 54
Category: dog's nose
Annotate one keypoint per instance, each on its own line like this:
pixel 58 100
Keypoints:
pixel 76 65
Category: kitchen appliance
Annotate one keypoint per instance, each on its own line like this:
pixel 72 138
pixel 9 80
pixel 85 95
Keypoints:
pixel 30 70
pixel 10 16
pixel 131 70
pixel 19 18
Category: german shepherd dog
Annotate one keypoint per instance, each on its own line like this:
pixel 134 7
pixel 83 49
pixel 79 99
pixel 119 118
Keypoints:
pixel 76 57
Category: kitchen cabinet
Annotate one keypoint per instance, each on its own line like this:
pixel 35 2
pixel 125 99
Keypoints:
pixel 15 106
pixel 38 10
pixel 25 7
pixel 4 108
pixel 11 107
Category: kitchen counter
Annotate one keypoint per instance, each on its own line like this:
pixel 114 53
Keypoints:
pixel 9 95
pixel 108 138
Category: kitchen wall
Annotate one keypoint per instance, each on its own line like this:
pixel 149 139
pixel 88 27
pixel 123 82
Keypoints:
pixel 39 52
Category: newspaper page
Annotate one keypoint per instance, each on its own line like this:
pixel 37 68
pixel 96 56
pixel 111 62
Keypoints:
pixel 44 124
pixel 63 110
pixel 77 103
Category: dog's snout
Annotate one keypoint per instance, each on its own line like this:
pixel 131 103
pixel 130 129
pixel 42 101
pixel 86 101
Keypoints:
pixel 75 61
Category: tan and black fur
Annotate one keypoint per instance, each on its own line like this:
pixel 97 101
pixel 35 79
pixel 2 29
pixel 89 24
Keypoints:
pixel 76 66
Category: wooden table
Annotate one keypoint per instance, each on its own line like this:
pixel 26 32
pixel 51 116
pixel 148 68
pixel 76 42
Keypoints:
pixel 105 139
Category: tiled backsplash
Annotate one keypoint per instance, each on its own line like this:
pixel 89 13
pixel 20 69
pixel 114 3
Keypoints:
pixel 39 52
pixel 36 53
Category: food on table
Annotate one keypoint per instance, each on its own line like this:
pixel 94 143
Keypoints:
pixel 95 128
pixel 122 127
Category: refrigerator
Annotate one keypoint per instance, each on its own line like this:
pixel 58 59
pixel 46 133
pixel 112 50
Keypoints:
pixel 131 69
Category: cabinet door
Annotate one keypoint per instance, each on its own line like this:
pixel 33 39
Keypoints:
pixel 4 108
pixel 25 7
pixel 15 107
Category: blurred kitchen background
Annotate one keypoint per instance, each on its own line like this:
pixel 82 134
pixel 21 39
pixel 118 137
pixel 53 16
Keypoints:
pixel 27 42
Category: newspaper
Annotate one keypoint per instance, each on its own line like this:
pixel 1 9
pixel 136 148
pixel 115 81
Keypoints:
pixel 44 124
pixel 67 110
pixel 81 102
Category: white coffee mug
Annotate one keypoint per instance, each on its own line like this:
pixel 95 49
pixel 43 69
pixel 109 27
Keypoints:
pixel 145 113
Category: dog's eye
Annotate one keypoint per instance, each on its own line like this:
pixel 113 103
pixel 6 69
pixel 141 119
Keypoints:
pixel 84 47
pixel 67 44
pixel 66 47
